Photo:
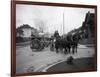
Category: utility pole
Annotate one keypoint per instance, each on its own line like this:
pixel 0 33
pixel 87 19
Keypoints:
pixel 63 23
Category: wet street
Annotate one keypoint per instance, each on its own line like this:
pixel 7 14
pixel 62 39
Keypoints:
pixel 28 61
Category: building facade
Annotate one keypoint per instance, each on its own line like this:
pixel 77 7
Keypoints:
pixel 25 31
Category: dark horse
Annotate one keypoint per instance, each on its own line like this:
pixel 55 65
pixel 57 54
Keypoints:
pixel 74 42
pixel 67 43
pixel 62 43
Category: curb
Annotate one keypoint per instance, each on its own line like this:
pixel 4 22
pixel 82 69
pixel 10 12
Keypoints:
pixel 45 69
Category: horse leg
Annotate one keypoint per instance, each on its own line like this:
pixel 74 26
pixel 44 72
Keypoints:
pixel 52 47
pixel 73 49
pixel 76 48
pixel 56 49
pixel 69 49
pixel 65 51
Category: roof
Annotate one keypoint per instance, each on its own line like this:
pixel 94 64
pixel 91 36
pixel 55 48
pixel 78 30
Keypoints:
pixel 26 26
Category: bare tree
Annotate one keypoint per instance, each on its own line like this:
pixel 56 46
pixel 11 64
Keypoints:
pixel 40 24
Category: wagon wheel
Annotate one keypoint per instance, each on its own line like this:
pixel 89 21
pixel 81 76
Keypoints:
pixel 41 46
pixel 35 44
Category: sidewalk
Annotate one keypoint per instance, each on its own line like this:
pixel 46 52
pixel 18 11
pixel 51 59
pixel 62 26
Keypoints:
pixel 78 64
pixel 85 46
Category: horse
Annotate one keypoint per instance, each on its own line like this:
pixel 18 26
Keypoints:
pixel 66 43
pixel 74 43
pixel 62 44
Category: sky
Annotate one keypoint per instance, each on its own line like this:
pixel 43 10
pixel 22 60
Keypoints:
pixel 51 18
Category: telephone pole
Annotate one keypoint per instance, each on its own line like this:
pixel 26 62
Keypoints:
pixel 63 23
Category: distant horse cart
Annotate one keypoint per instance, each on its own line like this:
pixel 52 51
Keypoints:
pixel 37 43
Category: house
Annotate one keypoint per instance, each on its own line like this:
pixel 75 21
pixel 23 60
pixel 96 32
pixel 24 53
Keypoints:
pixel 88 25
pixel 86 31
pixel 25 31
